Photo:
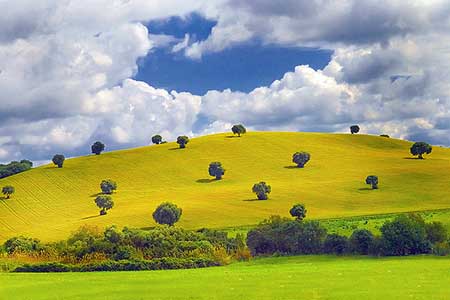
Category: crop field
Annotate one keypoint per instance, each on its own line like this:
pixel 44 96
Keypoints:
pixel 49 203
pixel 302 277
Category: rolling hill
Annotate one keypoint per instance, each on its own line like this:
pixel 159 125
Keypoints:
pixel 49 203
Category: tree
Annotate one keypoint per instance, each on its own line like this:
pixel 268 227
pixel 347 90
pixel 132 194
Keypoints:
pixel 298 211
pixel 335 244
pixel 261 190
pixel 238 129
pixel 167 213
pixel 384 135
pixel 354 129
pixel 420 148
pixel 108 186
pixel 436 232
pixel 216 170
pixel 301 158
pixel 182 141
pixel 156 139
pixel 97 147
pixel 361 241
pixel 104 203
pixel 373 180
pixel 8 191
pixel 58 160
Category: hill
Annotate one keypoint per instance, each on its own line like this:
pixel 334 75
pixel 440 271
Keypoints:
pixel 49 202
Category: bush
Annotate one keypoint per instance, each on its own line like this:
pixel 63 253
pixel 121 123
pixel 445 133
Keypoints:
pixel 436 232
pixel 311 238
pixel 361 241
pixel 22 244
pixel 14 167
pixel 441 248
pixel 335 244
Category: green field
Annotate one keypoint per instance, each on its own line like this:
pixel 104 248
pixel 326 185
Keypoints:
pixel 49 203
pixel 304 277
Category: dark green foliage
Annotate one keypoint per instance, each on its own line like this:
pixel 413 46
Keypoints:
pixel 354 129
pixel 373 181
pixel 361 241
pixel 436 232
pixel 22 245
pixel 298 211
pixel 261 190
pixel 104 203
pixel 405 235
pixel 167 213
pixel 420 148
pixel 182 141
pixel 238 129
pixel 215 169
pixel 301 158
pixel 311 239
pixel 384 135
pixel 15 167
pixel 97 147
pixel 58 159
pixel 335 244
pixel 156 139
pixel 8 191
pixel 108 186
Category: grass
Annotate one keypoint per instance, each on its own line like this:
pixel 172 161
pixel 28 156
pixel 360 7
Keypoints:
pixel 49 203
pixel 304 277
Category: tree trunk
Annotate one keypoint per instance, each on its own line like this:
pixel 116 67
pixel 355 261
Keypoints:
pixel 420 156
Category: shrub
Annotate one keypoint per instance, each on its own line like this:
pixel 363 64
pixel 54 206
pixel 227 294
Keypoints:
pixel 261 190
pixel 58 159
pixel 354 129
pixel 14 167
pixel 215 169
pixel 384 135
pixel 335 244
pixel 361 241
pixel 22 244
pixel 298 211
pixel 301 158
pixel 108 186
pixel 441 248
pixel 311 238
pixel 97 148
pixel 436 232
pixel 182 141
pixel 420 148
pixel 238 129
pixel 167 213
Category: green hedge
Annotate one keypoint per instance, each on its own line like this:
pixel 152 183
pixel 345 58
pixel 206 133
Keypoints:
pixel 122 265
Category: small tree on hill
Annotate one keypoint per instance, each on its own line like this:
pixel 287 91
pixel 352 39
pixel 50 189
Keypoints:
pixel 156 139
pixel 8 191
pixel 372 180
pixel 58 160
pixel 238 129
pixel 167 213
pixel 216 170
pixel 182 141
pixel 298 211
pixel 301 158
pixel 104 203
pixel 108 186
pixel 354 129
pixel 97 147
pixel 261 190
pixel 420 148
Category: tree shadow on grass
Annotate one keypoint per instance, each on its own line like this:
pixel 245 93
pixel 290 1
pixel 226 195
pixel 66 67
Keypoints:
pixel 292 167
pixel 232 136
pixel 176 148
pixel 4 198
pixel 252 200
pixel 415 158
pixel 95 195
pixel 91 217
pixel 365 189
pixel 205 180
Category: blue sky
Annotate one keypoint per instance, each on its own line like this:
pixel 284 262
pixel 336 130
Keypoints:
pixel 241 68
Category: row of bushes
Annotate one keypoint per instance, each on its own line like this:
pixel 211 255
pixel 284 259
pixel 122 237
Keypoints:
pixel 405 235
pixel 165 263
pixel 14 167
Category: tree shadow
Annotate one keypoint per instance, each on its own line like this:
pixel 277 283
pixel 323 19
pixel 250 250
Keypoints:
pixel 91 217
pixel 95 195
pixel 232 136
pixel 176 148
pixel 205 180
pixel 415 158
pixel 252 200
pixel 4 198
pixel 292 167
pixel 365 189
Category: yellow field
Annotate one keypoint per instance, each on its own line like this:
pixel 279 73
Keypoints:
pixel 49 202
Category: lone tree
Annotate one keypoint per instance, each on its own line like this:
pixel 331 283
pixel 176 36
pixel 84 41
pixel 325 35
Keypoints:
pixel 238 129
pixel 104 203
pixel 301 158
pixel 216 170
pixel 298 211
pixel 167 213
pixel 420 148
pixel 97 147
pixel 8 191
pixel 261 190
pixel 58 160
pixel 182 141
pixel 108 186
pixel 373 180
pixel 354 129
pixel 156 139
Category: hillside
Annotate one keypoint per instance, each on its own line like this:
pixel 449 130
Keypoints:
pixel 49 202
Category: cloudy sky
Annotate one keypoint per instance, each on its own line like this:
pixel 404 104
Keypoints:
pixel 72 72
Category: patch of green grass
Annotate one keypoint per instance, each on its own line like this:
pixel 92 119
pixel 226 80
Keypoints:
pixel 49 203
pixel 303 277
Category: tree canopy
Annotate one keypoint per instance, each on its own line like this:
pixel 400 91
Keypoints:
pixel 167 213
pixel 182 141
pixel 104 203
pixel 58 160
pixel 301 158
pixel 238 129
pixel 215 169
pixel 420 148
pixel 261 189
pixel 97 147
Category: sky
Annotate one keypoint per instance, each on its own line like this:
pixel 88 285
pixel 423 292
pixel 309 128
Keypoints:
pixel 120 71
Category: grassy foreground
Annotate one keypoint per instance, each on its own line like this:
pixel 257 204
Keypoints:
pixel 307 277
pixel 49 203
